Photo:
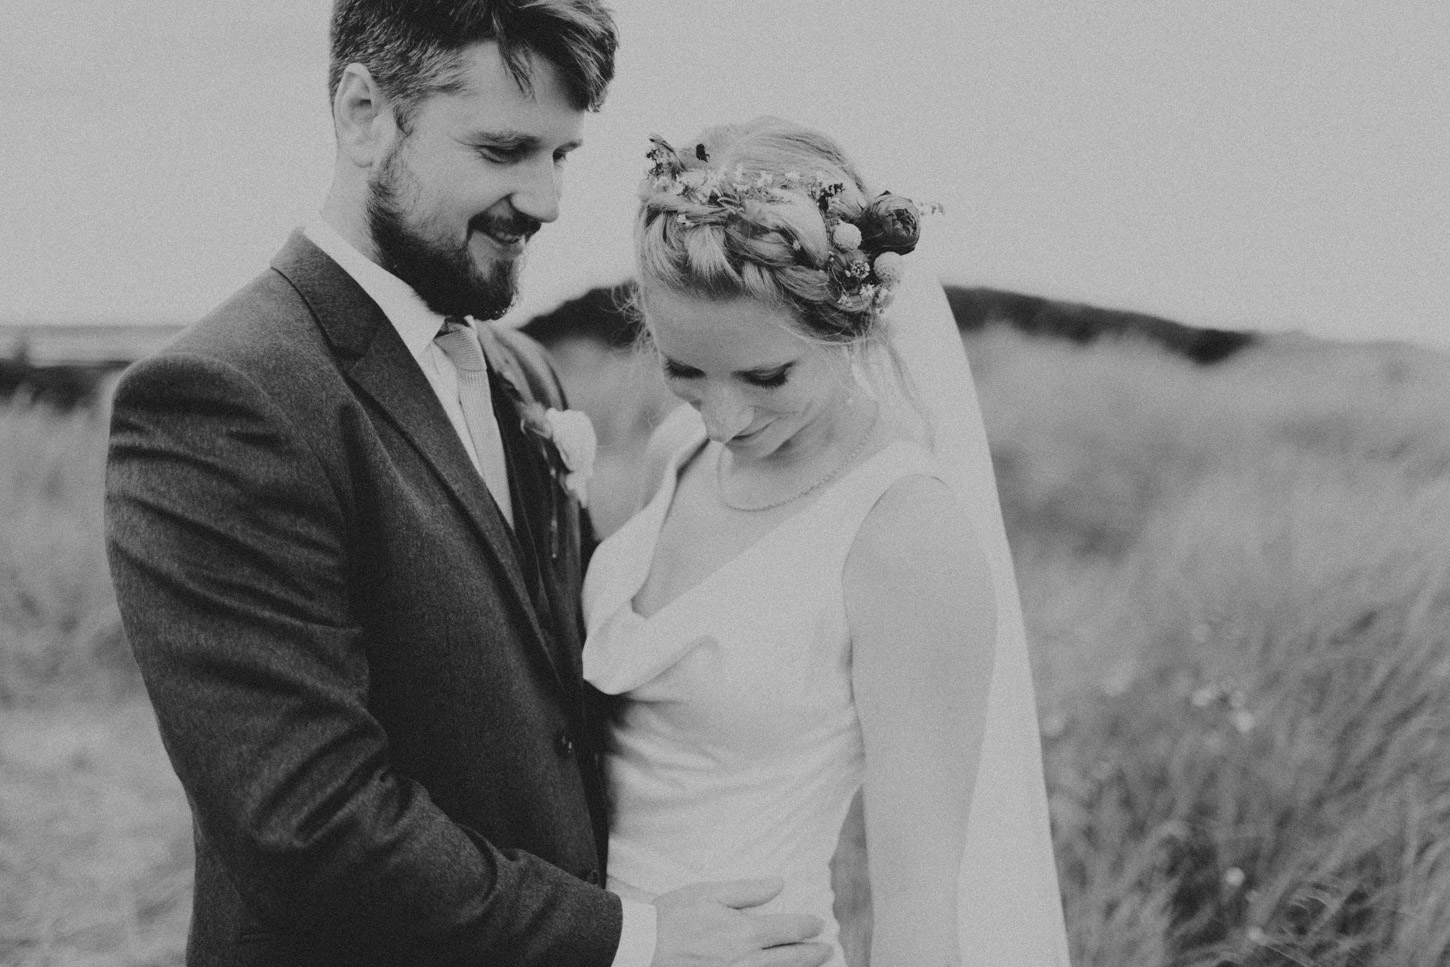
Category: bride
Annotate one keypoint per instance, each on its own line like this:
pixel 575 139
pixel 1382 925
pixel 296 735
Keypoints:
pixel 817 598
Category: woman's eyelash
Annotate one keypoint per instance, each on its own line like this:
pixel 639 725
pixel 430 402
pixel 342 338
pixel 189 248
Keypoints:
pixel 769 380
pixel 764 380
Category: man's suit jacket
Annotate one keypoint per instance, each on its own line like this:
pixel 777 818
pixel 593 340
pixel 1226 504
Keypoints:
pixel 369 687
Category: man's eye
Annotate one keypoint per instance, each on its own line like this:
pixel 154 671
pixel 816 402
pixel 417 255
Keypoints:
pixel 674 370
pixel 499 156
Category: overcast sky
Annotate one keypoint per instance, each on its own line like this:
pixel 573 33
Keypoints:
pixel 1268 164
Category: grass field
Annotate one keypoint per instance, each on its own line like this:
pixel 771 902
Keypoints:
pixel 1237 585
pixel 95 839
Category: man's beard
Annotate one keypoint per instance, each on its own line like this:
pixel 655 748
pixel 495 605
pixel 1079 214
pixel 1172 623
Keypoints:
pixel 446 279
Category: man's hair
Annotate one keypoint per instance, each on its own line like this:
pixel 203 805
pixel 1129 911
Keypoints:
pixel 413 48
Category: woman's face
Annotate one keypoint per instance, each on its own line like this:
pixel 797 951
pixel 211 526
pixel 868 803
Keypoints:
pixel 740 363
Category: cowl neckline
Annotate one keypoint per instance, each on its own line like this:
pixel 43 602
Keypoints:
pixel 614 617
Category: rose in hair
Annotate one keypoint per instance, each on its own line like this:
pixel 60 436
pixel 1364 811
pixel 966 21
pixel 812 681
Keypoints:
pixel 890 223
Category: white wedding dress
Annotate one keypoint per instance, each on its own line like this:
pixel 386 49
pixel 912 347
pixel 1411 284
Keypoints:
pixel 738 750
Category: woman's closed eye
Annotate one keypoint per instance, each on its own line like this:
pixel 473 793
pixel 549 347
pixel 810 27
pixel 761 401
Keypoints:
pixel 762 378
pixel 767 378
pixel 674 370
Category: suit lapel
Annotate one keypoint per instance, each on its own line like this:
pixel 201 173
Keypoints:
pixel 374 357
pixel 536 497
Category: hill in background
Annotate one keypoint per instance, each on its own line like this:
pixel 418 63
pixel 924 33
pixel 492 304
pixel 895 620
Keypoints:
pixel 602 314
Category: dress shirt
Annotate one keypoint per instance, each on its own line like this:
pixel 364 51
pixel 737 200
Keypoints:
pixel 418 325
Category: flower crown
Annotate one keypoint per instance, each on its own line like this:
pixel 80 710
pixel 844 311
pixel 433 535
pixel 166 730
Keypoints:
pixel 867 247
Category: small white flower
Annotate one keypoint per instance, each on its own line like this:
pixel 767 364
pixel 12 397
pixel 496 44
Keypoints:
pixel 573 435
pixel 846 236
pixel 890 267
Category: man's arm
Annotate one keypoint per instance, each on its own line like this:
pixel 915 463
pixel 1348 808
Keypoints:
pixel 228 548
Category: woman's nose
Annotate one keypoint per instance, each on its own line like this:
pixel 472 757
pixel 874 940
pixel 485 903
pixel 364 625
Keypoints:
pixel 724 414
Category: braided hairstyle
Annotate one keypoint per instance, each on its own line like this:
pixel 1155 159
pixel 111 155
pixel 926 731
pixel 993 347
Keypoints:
pixel 774 247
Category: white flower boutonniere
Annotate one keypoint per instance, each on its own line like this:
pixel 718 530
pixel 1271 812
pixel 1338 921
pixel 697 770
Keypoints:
pixel 573 436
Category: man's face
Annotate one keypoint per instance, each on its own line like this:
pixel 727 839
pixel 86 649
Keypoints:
pixel 454 202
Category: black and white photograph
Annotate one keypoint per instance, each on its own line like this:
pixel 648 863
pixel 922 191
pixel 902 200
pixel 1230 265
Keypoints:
pixel 599 483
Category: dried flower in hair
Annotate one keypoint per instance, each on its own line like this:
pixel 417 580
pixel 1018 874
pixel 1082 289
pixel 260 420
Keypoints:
pixel 860 249
pixel 846 236
pixel 890 223
pixel 890 268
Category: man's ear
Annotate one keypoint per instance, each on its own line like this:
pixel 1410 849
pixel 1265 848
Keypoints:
pixel 362 117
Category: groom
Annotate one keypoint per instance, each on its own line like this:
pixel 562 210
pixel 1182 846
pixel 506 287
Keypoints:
pixel 346 562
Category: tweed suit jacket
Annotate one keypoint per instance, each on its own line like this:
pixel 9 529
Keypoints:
pixel 368 685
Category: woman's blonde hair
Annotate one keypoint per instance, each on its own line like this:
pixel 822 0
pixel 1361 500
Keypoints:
pixel 773 249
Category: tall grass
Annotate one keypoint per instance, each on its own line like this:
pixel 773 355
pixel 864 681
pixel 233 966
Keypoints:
pixel 60 631
pixel 95 844
pixel 1238 590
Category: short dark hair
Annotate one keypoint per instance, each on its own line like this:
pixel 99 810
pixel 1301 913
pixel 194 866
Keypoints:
pixel 412 48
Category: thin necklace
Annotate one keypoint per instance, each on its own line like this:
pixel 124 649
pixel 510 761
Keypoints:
pixel 835 472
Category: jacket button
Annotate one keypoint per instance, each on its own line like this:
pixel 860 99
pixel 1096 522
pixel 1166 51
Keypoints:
pixel 563 743
pixel 592 877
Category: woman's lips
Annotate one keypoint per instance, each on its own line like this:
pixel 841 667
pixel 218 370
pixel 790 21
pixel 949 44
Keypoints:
pixel 744 437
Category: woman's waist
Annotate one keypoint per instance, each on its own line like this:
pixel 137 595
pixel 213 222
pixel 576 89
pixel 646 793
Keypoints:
pixel 644 872
pixel 695 815
pixel 662 843
pixel 647 763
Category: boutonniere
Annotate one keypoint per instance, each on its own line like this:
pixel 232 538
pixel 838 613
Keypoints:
pixel 570 443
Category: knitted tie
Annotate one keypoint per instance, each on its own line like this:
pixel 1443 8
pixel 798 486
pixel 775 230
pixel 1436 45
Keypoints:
pixel 459 342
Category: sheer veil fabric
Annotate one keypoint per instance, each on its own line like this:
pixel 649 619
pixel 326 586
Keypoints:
pixel 1010 911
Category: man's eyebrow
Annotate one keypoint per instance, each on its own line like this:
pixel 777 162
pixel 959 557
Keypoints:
pixel 518 140
pixel 505 139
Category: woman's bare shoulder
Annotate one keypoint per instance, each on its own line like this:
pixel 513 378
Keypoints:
pixel 918 535
pixel 916 513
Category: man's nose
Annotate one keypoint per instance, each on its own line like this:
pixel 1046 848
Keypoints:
pixel 537 195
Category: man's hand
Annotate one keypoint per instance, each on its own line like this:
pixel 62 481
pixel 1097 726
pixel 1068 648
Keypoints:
pixel 705 925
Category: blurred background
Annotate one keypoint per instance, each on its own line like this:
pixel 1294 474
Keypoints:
pixel 1199 252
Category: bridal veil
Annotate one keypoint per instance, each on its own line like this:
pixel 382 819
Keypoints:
pixel 1010 911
